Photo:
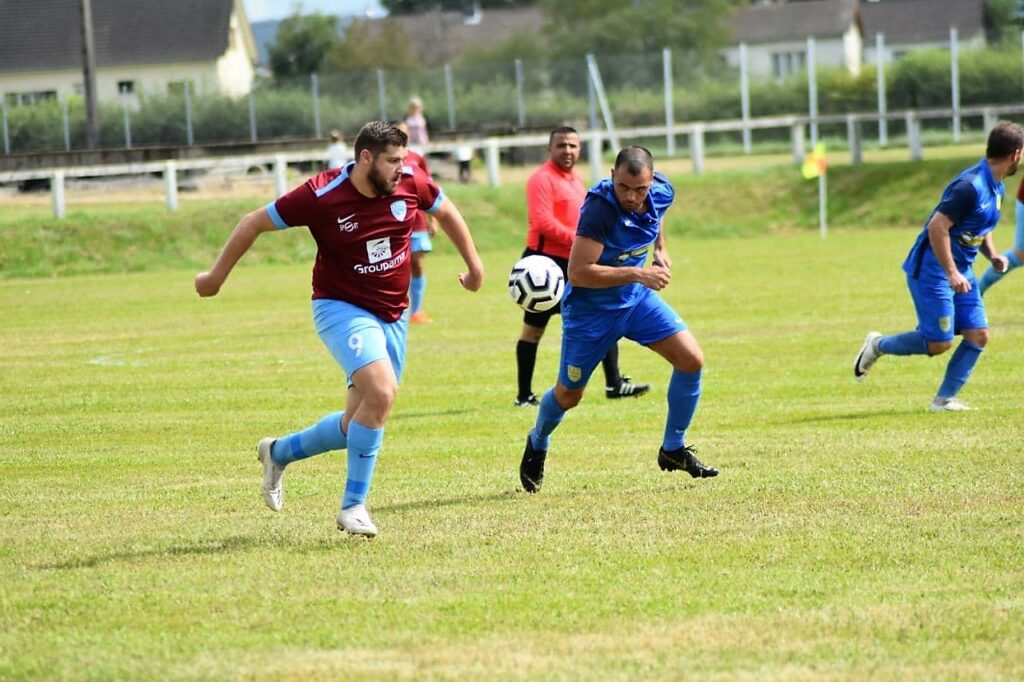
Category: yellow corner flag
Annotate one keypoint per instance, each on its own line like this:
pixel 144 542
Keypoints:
pixel 815 163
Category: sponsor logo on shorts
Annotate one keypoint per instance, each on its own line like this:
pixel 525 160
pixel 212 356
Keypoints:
pixel 945 324
pixel 575 373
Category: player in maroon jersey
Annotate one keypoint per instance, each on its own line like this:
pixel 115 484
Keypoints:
pixel 361 217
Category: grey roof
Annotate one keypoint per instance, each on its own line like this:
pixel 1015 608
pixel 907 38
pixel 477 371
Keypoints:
pixel 777 22
pixel 919 21
pixel 42 35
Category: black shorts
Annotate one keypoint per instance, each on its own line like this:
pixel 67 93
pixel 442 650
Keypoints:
pixel 541 319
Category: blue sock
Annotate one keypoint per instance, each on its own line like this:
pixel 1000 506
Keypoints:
pixel 549 416
pixel 683 394
pixel 325 435
pixel 363 446
pixel 907 343
pixel 991 276
pixel 959 369
pixel 416 289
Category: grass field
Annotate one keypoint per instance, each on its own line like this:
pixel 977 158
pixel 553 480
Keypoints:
pixel 851 534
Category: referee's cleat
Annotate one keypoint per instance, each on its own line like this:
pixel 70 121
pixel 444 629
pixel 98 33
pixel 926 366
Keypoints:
pixel 531 469
pixel 626 389
pixel 949 405
pixel 684 458
pixel 529 401
pixel 867 356
pixel 273 492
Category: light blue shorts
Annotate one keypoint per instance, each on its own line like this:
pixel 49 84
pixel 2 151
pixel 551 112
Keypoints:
pixel 942 313
pixel 588 335
pixel 421 242
pixel 356 337
pixel 1018 242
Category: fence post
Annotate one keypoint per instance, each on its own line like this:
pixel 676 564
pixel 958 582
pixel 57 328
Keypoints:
pixel 57 191
pixel 594 153
pixel 697 148
pixel 745 97
pixel 189 133
pixel 853 135
pixel 252 115
pixel 796 137
pixel 670 114
pixel 280 175
pixel 493 162
pixel 989 119
pixel 954 80
pixel 381 95
pixel 883 123
pixel 127 123
pixel 914 136
pixel 520 97
pixel 812 92
pixel 171 185
pixel 449 89
pixel 3 115
pixel 314 83
pixel 64 121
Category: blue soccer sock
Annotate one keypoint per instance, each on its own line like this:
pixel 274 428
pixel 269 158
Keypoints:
pixel 959 369
pixel 991 276
pixel 321 437
pixel 683 395
pixel 363 446
pixel 907 343
pixel 416 288
pixel 549 416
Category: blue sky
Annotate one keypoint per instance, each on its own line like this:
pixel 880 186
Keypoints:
pixel 261 10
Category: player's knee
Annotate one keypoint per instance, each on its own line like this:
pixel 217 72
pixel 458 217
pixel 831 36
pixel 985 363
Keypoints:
pixel 691 363
pixel 531 334
pixel 939 347
pixel 978 337
pixel 568 398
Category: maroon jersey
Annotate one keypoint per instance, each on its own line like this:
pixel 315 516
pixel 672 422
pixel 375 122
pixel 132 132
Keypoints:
pixel 416 159
pixel 362 243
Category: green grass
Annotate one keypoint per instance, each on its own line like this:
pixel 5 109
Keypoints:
pixel 850 535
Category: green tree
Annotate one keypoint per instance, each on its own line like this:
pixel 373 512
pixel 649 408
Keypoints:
pixel 465 6
pixel 372 45
pixel 302 44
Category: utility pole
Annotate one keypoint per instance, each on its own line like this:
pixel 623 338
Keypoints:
pixel 92 114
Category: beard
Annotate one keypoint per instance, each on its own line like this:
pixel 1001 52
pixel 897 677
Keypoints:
pixel 1013 169
pixel 381 184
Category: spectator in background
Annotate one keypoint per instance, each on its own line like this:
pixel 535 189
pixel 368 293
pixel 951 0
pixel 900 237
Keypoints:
pixel 419 127
pixel 337 153
pixel 423 229
pixel 464 156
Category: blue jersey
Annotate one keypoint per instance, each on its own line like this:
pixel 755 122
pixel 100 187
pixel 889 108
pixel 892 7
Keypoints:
pixel 626 237
pixel 972 201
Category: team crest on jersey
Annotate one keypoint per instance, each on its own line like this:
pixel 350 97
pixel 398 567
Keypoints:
pixel 399 210
pixel 575 373
pixel 945 324
pixel 378 249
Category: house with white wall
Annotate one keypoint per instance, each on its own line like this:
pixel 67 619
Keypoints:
pixel 915 24
pixel 141 47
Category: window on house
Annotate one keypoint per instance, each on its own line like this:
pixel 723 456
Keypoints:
pixel 178 88
pixel 126 87
pixel 785 64
pixel 27 98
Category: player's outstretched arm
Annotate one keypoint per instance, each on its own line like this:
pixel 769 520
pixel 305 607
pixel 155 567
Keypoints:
pixel 242 237
pixel 455 227
pixel 585 271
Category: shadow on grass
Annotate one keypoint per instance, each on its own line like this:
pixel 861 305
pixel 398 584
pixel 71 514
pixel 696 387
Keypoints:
pixel 852 416
pixel 399 416
pixel 437 503
pixel 198 548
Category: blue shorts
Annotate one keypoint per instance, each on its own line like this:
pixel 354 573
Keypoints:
pixel 356 337
pixel 1018 242
pixel 941 313
pixel 421 242
pixel 588 335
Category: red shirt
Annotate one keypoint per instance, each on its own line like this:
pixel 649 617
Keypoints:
pixel 362 242
pixel 553 202
pixel 416 159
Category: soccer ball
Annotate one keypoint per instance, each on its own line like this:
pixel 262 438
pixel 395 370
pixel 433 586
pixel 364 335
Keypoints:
pixel 536 284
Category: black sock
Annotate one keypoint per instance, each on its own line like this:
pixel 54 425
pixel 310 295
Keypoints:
pixel 526 358
pixel 610 364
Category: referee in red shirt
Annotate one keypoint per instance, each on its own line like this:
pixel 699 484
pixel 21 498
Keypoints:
pixel 554 196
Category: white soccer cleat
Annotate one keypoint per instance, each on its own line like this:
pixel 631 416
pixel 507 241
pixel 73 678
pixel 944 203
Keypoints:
pixel 949 405
pixel 273 493
pixel 356 520
pixel 867 356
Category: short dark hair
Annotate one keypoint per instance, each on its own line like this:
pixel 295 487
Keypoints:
pixel 376 136
pixel 561 130
pixel 1005 139
pixel 635 159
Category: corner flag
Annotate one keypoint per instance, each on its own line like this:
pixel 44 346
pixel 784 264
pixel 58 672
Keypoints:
pixel 815 163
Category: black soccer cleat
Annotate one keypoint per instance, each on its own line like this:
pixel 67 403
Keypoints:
pixel 626 389
pixel 684 458
pixel 529 401
pixel 531 469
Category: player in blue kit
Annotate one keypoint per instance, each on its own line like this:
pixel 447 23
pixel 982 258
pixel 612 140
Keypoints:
pixel 940 273
pixel 1015 256
pixel 611 295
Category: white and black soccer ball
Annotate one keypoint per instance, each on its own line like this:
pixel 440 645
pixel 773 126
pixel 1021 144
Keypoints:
pixel 536 284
